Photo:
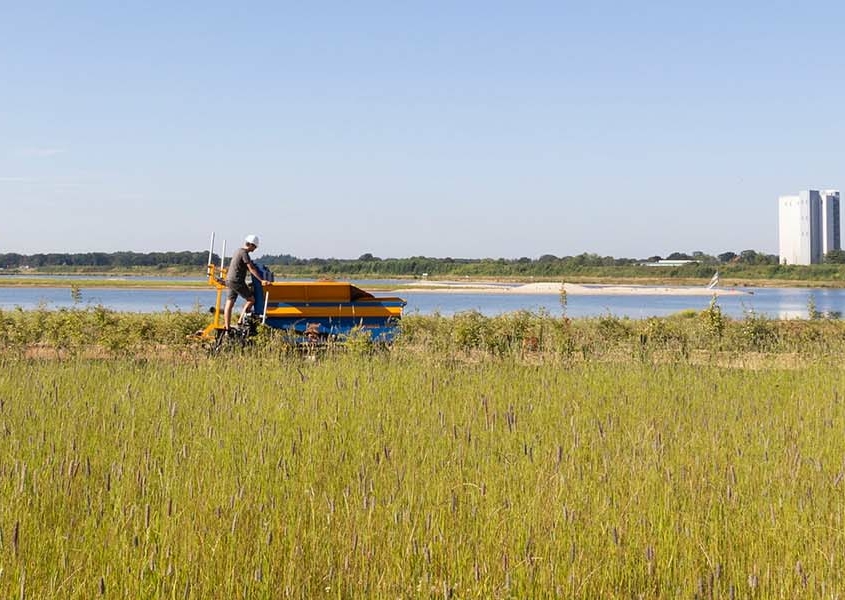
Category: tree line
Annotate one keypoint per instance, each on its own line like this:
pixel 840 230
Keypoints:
pixel 103 259
pixel 545 265
pixel 749 263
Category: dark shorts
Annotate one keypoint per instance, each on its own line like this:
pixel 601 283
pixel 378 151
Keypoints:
pixel 239 289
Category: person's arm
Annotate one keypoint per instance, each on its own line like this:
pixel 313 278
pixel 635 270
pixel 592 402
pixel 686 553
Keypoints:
pixel 256 274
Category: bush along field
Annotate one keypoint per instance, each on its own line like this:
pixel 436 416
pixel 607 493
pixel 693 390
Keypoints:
pixel 508 457
pixel 698 336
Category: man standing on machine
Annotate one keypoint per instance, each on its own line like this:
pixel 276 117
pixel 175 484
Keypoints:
pixel 236 279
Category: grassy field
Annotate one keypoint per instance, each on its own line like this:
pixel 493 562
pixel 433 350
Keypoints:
pixel 602 458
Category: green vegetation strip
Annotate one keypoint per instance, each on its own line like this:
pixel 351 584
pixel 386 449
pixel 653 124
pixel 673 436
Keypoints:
pixel 397 475
pixel 705 337
pixel 110 282
pixel 749 268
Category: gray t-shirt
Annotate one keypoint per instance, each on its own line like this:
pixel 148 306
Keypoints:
pixel 238 266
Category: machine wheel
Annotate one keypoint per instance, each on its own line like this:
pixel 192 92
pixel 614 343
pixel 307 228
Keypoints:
pixel 236 338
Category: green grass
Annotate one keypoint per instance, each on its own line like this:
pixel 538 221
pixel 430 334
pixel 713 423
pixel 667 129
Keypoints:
pixel 508 457
pixel 395 475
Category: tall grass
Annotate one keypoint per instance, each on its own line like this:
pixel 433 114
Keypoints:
pixel 514 456
pixel 70 331
pixel 700 336
pixel 409 474
pixel 689 335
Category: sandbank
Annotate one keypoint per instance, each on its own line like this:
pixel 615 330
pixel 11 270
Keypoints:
pixel 574 289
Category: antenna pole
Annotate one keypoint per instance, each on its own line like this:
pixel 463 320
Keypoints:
pixel 266 300
pixel 211 249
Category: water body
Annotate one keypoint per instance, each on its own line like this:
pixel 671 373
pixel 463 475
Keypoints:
pixel 775 303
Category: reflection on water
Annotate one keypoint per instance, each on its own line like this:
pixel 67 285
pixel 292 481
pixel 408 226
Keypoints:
pixel 782 303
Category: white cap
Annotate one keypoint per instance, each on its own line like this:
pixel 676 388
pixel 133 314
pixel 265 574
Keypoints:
pixel 251 239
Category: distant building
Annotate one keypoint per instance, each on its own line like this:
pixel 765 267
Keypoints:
pixel 808 226
pixel 665 262
pixel 830 221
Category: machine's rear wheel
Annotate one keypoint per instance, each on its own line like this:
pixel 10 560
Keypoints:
pixel 235 338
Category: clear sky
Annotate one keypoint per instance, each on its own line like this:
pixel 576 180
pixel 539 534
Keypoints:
pixel 463 129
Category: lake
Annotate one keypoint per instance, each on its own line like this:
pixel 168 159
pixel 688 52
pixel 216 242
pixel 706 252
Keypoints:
pixel 776 303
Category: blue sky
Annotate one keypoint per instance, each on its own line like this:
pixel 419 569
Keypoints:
pixel 462 129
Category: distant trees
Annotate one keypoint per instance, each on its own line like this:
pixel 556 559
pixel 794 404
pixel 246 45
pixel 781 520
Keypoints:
pixel 281 259
pixel 104 259
pixel 752 257
pixel 703 258
pixel 697 255
pixel 835 257
pixel 547 265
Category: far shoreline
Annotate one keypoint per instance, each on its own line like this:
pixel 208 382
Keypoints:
pixel 475 286
pixel 574 289
pixel 512 285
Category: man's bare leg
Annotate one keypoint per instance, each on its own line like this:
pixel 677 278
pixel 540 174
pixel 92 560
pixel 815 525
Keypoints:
pixel 247 309
pixel 227 313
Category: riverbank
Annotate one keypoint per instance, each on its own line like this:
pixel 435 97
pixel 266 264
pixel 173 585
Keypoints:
pixel 574 289
pixel 577 286
pixel 101 282
pixel 732 274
